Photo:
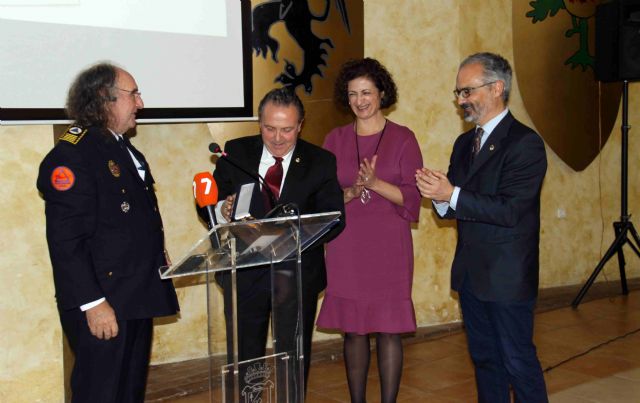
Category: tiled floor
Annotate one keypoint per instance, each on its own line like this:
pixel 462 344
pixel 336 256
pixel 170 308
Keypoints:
pixel 439 370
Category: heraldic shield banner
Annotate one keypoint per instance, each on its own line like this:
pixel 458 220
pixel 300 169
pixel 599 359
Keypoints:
pixel 553 47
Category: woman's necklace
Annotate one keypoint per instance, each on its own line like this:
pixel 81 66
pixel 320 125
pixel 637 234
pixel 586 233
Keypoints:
pixel 365 195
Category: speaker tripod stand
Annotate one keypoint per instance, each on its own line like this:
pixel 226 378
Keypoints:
pixel 624 227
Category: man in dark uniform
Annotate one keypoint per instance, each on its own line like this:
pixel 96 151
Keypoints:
pixel 105 239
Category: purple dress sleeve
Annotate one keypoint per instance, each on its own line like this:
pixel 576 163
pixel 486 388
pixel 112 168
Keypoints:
pixel 410 161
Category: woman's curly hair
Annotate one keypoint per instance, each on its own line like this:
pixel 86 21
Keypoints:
pixel 371 69
pixel 90 95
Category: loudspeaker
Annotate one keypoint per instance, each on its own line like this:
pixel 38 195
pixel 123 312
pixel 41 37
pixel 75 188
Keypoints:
pixel 618 41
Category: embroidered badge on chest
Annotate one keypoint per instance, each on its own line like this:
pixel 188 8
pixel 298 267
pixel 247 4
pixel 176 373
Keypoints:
pixel 114 168
pixel 125 207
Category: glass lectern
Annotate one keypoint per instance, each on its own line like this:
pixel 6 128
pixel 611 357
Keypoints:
pixel 270 247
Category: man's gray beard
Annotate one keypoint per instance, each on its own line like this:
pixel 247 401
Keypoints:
pixel 468 117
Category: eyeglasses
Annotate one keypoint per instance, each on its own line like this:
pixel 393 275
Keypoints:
pixel 134 93
pixel 466 91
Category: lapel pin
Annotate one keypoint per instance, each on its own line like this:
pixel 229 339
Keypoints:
pixel 492 147
pixel 298 160
pixel 114 168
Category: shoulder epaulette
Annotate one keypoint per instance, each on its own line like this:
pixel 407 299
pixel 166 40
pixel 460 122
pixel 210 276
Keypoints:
pixel 73 134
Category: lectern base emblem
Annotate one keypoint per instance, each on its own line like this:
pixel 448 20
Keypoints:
pixel 259 388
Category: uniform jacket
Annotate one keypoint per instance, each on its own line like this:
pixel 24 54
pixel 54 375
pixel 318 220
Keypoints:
pixel 105 233
pixel 311 182
pixel 498 212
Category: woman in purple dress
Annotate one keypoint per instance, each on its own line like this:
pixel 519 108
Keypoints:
pixel 370 264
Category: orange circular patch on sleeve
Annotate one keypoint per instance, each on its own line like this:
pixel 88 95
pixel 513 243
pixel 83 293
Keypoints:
pixel 62 178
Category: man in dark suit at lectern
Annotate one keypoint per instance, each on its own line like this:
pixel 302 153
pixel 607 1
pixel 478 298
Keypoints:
pixel 492 190
pixel 307 177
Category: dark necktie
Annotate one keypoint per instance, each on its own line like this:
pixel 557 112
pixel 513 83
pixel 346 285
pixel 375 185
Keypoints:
pixel 128 148
pixel 477 142
pixel 121 143
pixel 273 178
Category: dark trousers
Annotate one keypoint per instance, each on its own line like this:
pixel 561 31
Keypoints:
pixel 256 305
pixel 109 371
pixel 500 338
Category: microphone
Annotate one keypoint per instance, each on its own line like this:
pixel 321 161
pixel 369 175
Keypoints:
pixel 205 191
pixel 215 149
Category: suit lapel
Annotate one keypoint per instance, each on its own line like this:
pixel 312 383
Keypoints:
pixel 467 149
pixel 295 172
pixel 125 159
pixel 111 149
pixel 254 156
pixel 492 145
pixel 141 160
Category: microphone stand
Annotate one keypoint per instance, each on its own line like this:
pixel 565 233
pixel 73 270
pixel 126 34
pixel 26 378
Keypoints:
pixel 622 227
pixel 294 210
pixel 214 238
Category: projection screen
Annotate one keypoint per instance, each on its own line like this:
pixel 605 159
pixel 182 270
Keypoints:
pixel 190 58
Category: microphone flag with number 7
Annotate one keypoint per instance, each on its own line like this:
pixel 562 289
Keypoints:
pixel 205 189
